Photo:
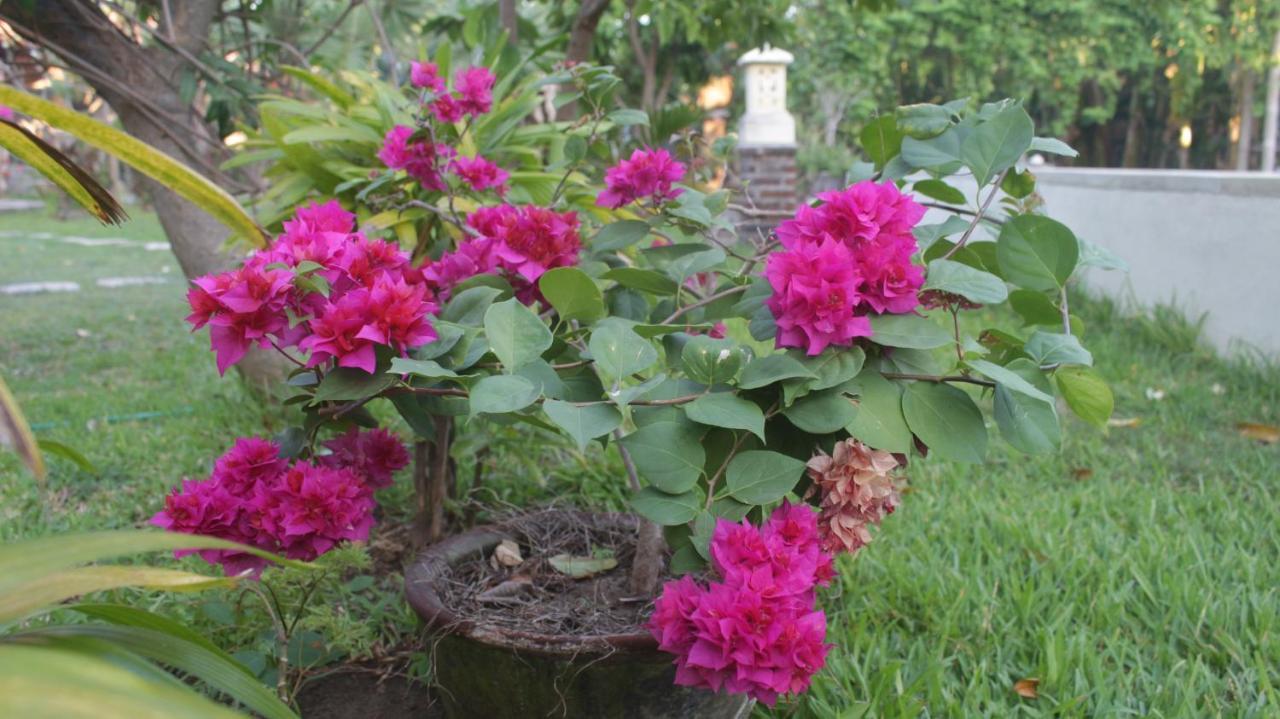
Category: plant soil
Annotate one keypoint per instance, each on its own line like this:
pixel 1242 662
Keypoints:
pixel 535 597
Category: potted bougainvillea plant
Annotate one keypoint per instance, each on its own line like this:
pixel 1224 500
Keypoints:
pixel 764 393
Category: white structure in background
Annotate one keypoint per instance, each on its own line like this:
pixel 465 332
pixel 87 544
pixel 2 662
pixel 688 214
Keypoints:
pixel 766 122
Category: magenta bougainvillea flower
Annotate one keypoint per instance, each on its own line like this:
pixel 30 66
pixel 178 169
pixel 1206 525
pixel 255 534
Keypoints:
pixel 874 222
pixel 815 296
pixel 480 174
pixel 375 454
pixel 648 174
pixel 256 497
pixel 448 109
pixel 757 631
pixel 858 490
pixel 372 296
pixel 6 113
pixel 420 160
pixel 472 257
pixel 426 76
pixel 474 87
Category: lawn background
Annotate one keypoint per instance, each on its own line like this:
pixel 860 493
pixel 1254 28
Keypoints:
pixel 1135 574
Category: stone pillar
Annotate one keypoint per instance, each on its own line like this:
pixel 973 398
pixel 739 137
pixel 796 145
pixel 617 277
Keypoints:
pixel 765 170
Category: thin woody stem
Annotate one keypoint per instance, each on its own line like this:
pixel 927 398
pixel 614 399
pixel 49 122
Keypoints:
pixel 977 216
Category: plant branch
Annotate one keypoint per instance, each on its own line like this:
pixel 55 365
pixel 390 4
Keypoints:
pixel 940 378
pixel 704 302
pixel 977 216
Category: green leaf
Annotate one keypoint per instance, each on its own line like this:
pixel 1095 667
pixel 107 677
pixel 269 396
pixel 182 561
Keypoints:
pixel 996 144
pixel 835 366
pixel 1050 348
pixel 620 234
pixel 583 423
pixel 970 283
pixel 946 420
pixel 711 361
pixel 655 283
pixel 628 116
pixel 1018 184
pixel 75 181
pixel 1027 421
pixel 703 527
pixel 71 454
pixel 760 476
pixel 1009 378
pixel 320 84
pixel 165 170
pixel 926 235
pixel 515 333
pixel 353 132
pixel 88 684
pixel 910 331
pixel 420 368
pixel 499 394
pixel 215 668
pixel 728 410
pixel 923 120
pixel 1052 146
pixel 730 508
pixel 1086 393
pixel 822 412
pixel 56 587
pixel 879 422
pixel 669 455
pixel 574 295
pixel 685 560
pixel 1034 307
pixel 575 148
pixel 763 371
pixel 581 567
pixel 667 509
pixel 1036 252
pixel 940 191
pixel 939 154
pixel 618 351
pixel 352 383
pixel 881 140
pixel 469 306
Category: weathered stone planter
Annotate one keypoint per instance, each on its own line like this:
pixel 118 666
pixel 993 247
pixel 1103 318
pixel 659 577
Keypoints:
pixel 495 673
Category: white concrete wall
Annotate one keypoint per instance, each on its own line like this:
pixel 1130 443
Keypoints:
pixel 1208 242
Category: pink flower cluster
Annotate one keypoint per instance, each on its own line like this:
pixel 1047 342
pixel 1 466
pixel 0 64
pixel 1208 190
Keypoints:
pixel 757 631
pixel 472 91
pixel 858 490
pixel 521 243
pixel 649 173
pixel 358 294
pixel 300 510
pixel 6 113
pixel 866 228
pixel 420 160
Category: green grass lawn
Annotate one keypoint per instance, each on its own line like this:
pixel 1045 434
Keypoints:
pixel 1136 574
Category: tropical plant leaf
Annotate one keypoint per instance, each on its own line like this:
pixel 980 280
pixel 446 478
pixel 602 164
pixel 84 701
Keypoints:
pixel 38 681
pixel 61 171
pixel 29 597
pixel 142 157
pixel 16 435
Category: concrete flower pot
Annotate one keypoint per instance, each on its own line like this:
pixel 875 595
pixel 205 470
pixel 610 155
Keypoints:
pixel 497 673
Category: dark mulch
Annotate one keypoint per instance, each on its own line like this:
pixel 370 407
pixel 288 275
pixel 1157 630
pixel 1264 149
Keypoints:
pixel 534 596
pixel 359 694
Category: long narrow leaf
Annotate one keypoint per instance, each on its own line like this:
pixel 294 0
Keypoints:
pixel 61 171
pixel 22 562
pixel 142 157
pixel 125 615
pixel 27 598
pixel 16 434
pixel 49 683
pixel 217 670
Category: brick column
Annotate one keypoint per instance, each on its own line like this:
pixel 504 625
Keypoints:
pixel 765 178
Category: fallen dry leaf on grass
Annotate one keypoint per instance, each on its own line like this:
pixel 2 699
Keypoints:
pixel 1267 433
pixel 1026 688
pixel 1081 473
pixel 1124 421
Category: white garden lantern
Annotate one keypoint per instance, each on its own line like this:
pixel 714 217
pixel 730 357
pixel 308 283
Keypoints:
pixel 766 121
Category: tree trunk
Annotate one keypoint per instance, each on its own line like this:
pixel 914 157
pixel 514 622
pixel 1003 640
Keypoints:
pixel 1132 131
pixel 510 20
pixel 1273 109
pixel 142 85
pixel 582 33
pixel 1245 144
pixel 432 476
